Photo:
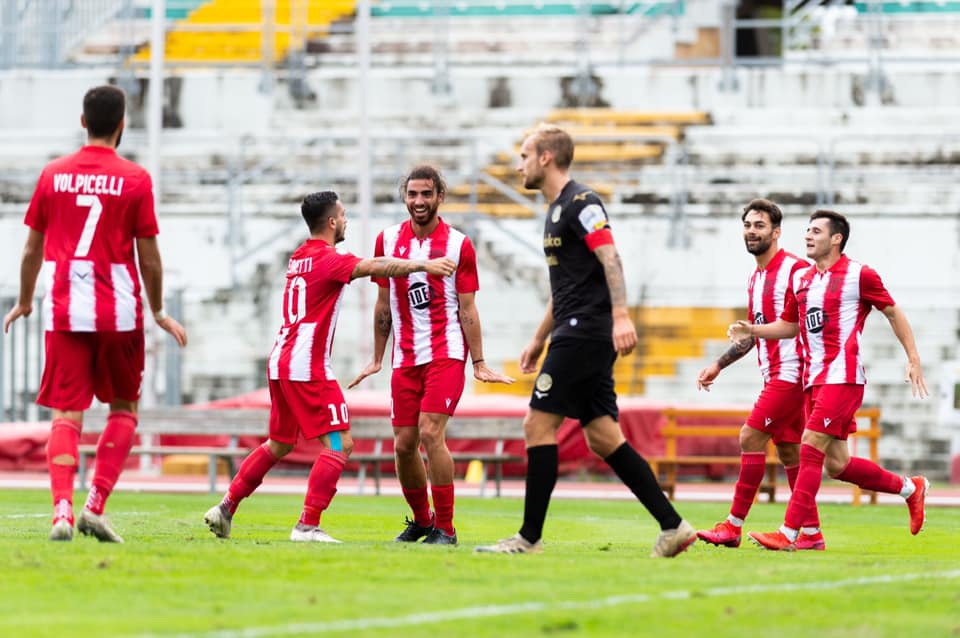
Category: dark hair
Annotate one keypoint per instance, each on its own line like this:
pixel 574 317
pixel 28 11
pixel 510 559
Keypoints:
pixel 554 139
pixel 764 206
pixel 838 224
pixel 317 208
pixel 424 171
pixel 103 110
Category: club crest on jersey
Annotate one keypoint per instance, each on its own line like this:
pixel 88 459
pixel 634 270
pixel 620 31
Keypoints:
pixel 555 214
pixel 419 295
pixel 814 320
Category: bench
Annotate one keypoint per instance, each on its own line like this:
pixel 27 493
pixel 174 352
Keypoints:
pixel 253 422
pixel 674 429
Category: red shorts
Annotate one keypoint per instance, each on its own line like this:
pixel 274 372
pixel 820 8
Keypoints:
pixel 779 411
pixel 831 409
pixel 315 408
pixel 433 387
pixel 81 365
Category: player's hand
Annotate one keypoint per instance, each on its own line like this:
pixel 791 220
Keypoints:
pixel 707 375
pixel 740 331
pixel 918 387
pixel 372 368
pixel 15 313
pixel 530 356
pixel 442 266
pixel 482 373
pixel 624 334
pixel 173 326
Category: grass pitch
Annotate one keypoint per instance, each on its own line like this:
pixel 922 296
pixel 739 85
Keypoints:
pixel 173 578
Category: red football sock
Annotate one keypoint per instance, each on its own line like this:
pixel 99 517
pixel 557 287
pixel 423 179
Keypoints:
pixel 322 485
pixel 752 465
pixel 62 459
pixel 814 519
pixel 804 497
pixel 443 506
pixel 249 476
pixel 112 451
pixel 870 476
pixel 420 505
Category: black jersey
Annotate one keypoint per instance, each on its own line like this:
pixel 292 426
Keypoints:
pixel 581 298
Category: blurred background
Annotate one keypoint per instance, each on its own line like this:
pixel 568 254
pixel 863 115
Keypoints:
pixel 682 112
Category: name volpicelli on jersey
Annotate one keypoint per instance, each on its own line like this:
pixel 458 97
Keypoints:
pixel 87 184
pixel 300 266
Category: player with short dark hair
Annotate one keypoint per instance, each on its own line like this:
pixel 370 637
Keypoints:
pixel 588 325
pixel 86 214
pixel 778 412
pixel 827 305
pixel 435 323
pixel 304 394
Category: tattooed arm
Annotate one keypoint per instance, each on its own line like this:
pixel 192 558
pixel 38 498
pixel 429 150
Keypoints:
pixel 735 352
pixel 390 267
pixel 624 332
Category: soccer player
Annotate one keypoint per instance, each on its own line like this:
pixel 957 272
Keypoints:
pixel 827 305
pixel 88 210
pixel 435 323
pixel 778 412
pixel 304 393
pixel 588 325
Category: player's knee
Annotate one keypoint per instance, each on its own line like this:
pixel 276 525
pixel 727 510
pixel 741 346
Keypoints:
pixel 751 440
pixel 279 450
pixel 405 445
pixel 835 467
pixel 431 437
pixel 789 454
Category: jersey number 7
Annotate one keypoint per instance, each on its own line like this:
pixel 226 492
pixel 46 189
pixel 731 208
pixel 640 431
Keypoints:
pixel 92 202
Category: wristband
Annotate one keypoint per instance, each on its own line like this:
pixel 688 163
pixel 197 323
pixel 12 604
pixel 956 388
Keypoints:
pixel 160 315
pixel 476 361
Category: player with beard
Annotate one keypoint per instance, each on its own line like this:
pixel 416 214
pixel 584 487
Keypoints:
pixel 86 214
pixel 588 324
pixel 304 394
pixel 778 412
pixel 435 323
pixel 827 305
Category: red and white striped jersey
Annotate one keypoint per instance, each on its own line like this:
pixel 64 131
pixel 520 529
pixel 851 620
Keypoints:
pixel 831 308
pixel 425 308
pixel 316 276
pixel 91 206
pixel 779 358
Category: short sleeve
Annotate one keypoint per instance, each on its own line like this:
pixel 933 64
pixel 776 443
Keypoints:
pixel 340 266
pixel 872 290
pixel 145 216
pixel 467 280
pixel 383 282
pixel 790 310
pixel 37 213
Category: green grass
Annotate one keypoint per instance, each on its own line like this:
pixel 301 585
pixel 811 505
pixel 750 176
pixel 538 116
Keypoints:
pixel 172 577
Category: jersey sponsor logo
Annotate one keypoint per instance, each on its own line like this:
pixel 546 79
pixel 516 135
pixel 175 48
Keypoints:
pixel 555 215
pixel 592 218
pixel 552 242
pixel 553 261
pixel 88 184
pixel 813 320
pixel 544 382
pixel 419 295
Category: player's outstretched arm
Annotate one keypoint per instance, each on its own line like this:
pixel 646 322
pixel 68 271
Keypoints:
pixel 624 332
pixel 151 269
pixel 382 325
pixel 30 265
pixel 903 331
pixel 470 322
pixel 531 354
pixel 779 329
pixel 735 352
pixel 390 267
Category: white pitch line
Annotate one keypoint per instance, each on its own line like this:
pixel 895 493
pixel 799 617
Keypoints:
pixel 489 611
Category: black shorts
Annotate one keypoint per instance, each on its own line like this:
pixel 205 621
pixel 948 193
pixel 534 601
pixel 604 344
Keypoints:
pixel 576 380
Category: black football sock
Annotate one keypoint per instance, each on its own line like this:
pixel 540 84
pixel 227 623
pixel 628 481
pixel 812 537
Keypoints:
pixel 636 474
pixel 542 467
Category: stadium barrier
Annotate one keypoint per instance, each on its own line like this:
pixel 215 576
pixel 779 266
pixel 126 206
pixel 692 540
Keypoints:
pixel 236 423
pixel 694 422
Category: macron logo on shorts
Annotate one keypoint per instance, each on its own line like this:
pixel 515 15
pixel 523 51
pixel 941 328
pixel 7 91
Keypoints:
pixel 447 401
pixel 826 422
pixel 767 421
